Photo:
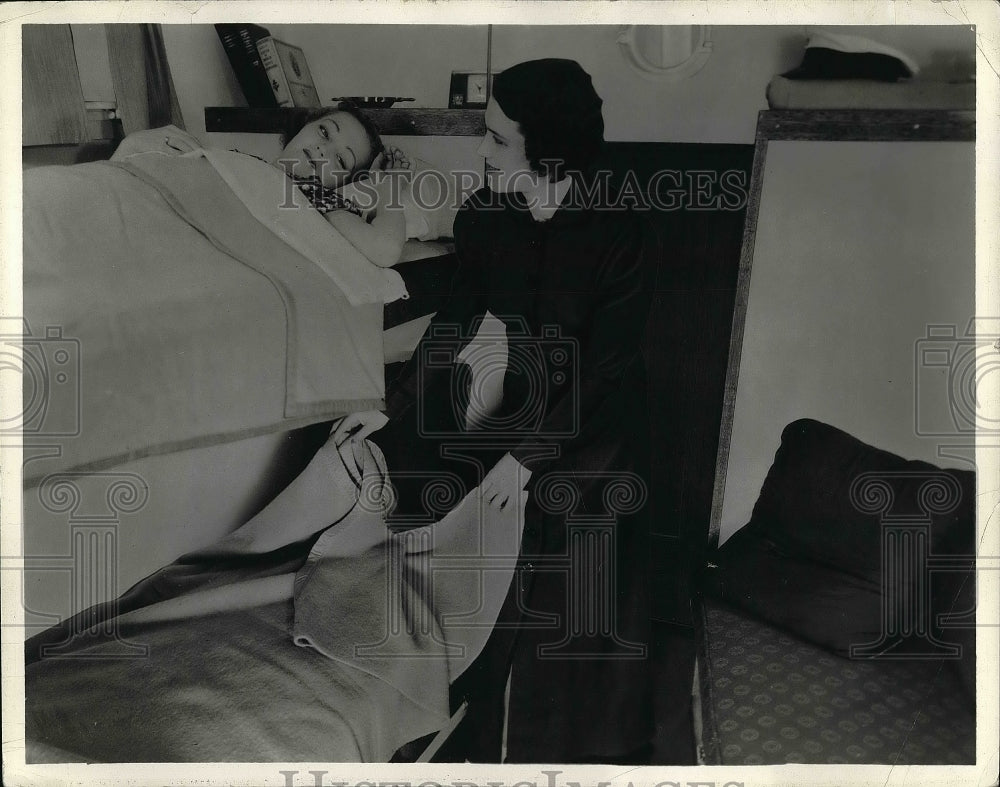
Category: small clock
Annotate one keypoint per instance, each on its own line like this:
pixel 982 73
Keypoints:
pixel 468 90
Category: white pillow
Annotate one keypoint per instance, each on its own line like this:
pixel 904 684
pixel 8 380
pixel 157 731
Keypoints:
pixel 438 201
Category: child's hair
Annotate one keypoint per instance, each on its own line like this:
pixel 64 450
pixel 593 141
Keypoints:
pixel 299 121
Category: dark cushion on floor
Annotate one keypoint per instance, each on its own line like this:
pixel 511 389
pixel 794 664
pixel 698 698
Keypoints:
pixel 807 508
pixel 810 559
pixel 817 603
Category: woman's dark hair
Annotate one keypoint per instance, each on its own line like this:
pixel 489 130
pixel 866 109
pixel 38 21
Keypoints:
pixel 559 112
pixel 299 121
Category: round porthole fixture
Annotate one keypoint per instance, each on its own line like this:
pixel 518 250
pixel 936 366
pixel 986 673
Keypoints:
pixel 666 53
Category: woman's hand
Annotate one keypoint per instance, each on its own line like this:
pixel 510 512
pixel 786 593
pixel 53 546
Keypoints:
pixel 357 426
pixel 504 482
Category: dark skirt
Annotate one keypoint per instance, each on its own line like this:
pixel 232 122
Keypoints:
pixel 574 632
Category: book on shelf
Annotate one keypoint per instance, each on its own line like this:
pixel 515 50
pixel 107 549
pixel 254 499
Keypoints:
pixel 288 73
pixel 240 44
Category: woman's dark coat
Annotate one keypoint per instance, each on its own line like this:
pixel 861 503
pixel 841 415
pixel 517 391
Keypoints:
pixel 574 293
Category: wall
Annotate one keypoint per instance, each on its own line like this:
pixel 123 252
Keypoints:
pixel 201 73
pixel 860 248
pixel 718 104
pixel 388 60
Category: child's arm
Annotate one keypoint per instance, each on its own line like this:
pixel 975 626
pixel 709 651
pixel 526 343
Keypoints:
pixel 382 240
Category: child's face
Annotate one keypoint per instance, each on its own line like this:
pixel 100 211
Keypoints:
pixel 331 148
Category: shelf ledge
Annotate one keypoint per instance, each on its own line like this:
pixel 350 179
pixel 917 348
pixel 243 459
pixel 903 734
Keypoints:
pixel 392 121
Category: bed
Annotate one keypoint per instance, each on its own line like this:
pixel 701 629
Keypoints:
pixel 273 334
pixel 837 620
pixel 838 626
pixel 380 623
pixel 155 268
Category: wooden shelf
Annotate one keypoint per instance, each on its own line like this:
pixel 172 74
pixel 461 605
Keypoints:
pixel 867 125
pixel 402 122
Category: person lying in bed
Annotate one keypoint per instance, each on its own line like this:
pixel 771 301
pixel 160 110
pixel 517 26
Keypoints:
pixel 322 152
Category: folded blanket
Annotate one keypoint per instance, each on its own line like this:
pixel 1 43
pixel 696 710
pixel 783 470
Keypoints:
pixel 188 319
pixel 413 608
pixel 276 645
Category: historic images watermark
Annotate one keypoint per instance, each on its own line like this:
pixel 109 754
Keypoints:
pixel 90 505
pixel 952 365
pixel 547 364
pixel 909 563
pixel 430 189
pixel 926 592
pixel 464 422
pixel 49 365
pixel 586 567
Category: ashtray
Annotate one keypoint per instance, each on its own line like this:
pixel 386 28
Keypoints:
pixel 372 102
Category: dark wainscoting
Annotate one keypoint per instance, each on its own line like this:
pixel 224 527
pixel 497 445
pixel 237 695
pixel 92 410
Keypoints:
pixel 699 222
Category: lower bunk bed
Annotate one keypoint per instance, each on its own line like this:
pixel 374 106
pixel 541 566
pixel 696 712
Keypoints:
pixel 838 625
pixel 186 345
pixel 311 633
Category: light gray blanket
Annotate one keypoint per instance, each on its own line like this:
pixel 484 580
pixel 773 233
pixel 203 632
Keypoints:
pixel 178 313
pixel 276 644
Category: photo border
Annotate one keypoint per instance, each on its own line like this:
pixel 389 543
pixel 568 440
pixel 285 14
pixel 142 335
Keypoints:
pixel 744 12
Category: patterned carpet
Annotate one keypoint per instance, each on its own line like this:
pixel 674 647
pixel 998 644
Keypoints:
pixel 770 698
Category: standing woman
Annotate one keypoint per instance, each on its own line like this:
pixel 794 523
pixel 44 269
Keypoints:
pixel 564 676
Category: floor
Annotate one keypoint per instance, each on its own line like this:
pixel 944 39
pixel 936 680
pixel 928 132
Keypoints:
pixel 673 652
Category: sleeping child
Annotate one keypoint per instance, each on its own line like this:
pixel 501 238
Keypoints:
pixel 323 152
